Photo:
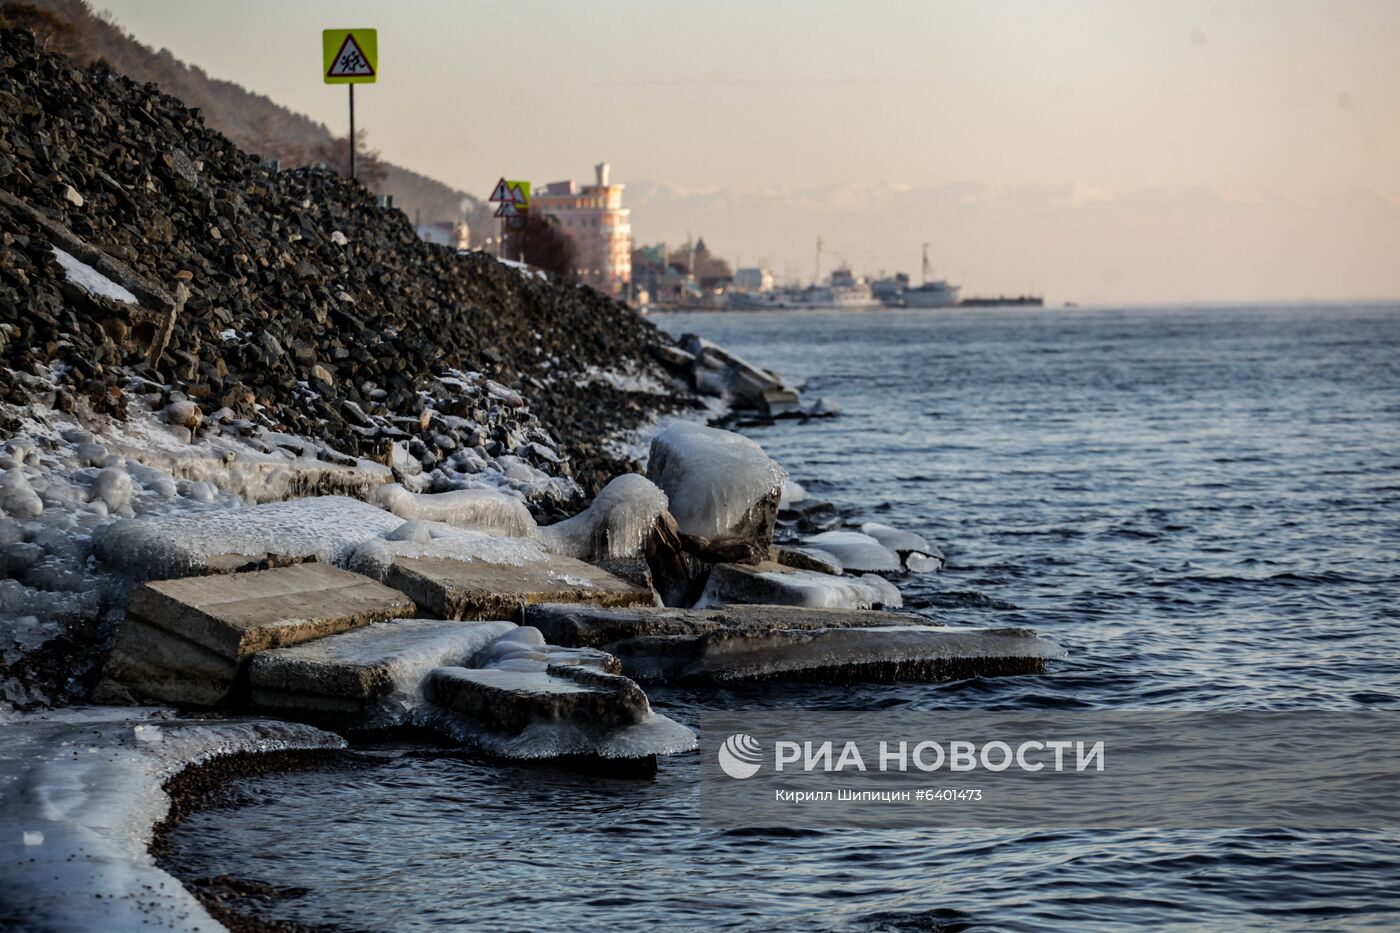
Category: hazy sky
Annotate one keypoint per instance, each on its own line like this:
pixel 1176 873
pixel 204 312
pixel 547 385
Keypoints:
pixel 1096 150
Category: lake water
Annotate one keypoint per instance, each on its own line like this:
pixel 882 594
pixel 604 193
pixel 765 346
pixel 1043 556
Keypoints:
pixel 1201 505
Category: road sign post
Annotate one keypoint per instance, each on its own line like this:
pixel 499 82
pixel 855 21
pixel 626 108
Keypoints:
pixel 351 57
pixel 513 198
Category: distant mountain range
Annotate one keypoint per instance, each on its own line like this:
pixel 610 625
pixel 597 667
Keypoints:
pixel 252 121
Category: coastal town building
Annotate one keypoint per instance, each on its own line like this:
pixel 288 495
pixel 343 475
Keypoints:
pixel 594 220
pixel 753 279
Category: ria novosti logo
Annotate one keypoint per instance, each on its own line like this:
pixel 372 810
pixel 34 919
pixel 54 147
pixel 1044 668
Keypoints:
pixel 740 756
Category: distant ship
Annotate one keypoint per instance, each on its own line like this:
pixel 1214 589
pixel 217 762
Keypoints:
pixel 935 294
pixel 843 290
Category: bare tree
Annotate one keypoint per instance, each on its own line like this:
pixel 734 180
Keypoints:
pixel 48 28
pixel 540 242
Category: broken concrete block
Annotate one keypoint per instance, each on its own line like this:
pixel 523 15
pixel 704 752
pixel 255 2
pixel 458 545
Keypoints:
pixel 510 701
pixel 372 675
pixel 185 641
pixel 780 585
pixel 777 402
pixel 476 589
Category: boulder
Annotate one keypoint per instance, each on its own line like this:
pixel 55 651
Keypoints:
pixel 448 588
pixel 185 641
pixel 720 484
pixel 780 585
pixel 371 675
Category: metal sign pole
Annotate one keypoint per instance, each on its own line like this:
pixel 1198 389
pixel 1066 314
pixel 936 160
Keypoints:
pixel 352 131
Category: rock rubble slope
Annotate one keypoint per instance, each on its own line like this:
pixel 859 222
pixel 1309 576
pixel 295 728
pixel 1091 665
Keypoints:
pixel 300 302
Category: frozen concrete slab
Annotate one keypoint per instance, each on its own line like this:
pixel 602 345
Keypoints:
pixel 837 655
pixel 445 588
pixel 574 625
pixel 776 584
pixel 566 711
pixel 755 642
pixel 372 675
pixel 81 790
pixel 184 641
pixel 326 528
pixel 509 701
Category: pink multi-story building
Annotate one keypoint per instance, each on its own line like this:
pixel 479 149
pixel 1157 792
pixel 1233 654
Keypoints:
pixel 593 218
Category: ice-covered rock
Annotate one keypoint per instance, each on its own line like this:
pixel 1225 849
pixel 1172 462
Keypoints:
pixel 783 586
pixel 615 526
pixel 17 496
pixel 113 487
pixel 896 540
pixel 719 484
pixel 917 554
pixel 857 552
pixel 466 508
pixel 185 641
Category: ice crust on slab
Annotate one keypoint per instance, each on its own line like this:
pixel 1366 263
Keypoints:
pixel 783 586
pixel 90 280
pixel 614 527
pixel 326 528
pixel 857 552
pixel 375 557
pixel 483 509
pixel 713 478
pixel 376 671
pixel 80 793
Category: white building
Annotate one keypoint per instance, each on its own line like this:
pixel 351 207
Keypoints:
pixel 593 218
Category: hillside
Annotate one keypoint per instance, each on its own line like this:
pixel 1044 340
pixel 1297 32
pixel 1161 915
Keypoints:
pixel 253 122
